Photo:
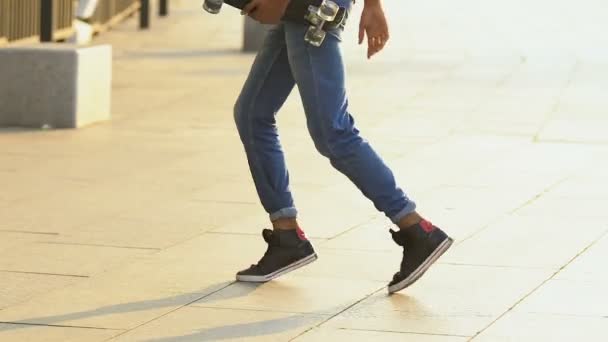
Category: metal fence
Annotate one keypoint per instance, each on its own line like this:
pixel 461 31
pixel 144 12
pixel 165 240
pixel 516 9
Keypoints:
pixel 109 12
pixel 20 20
pixel 3 22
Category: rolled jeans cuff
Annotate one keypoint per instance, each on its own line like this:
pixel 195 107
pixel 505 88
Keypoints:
pixel 409 208
pixel 284 214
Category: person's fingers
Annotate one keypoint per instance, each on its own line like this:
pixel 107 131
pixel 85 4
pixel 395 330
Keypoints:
pixel 370 45
pixel 376 39
pixel 375 44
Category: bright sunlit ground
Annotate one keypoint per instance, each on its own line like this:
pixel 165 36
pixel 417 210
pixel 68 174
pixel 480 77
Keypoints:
pixel 492 114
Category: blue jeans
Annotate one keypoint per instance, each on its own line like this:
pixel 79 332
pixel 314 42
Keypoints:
pixel 284 61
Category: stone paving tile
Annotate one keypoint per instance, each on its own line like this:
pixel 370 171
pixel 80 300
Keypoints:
pixel 589 265
pixel 11 239
pixel 580 209
pixel 205 324
pixel 533 165
pixel 187 216
pixel 293 293
pixel 353 264
pixel 14 332
pixel 452 300
pixel 370 236
pixel 574 130
pixel 529 241
pixel 475 120
pixel 462 211
pixel 16 288
pixel 327 334
pixel 61 211
pixel 576 297
pixel 461 155
pixel 147 287
pixel 117 300
pixel 319 215
pixel 66 259
pixel 583 186
pixel 130 233
pixel 545 327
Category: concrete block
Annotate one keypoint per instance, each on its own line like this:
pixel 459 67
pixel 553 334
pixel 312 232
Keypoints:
pixel 254 35
pixel 55 85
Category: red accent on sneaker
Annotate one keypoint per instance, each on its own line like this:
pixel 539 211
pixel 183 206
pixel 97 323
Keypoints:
pixel 301 234
pixel 426 226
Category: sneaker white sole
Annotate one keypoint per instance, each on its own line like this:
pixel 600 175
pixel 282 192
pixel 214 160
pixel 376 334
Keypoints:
pixel 291 267
pixel 442 248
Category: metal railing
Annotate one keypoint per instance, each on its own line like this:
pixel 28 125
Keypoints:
pixel 52 20
pixel 20 20
pixel 3 22
pixel 110 12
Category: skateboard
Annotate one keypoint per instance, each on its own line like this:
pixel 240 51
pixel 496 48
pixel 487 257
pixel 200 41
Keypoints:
pixel 321 15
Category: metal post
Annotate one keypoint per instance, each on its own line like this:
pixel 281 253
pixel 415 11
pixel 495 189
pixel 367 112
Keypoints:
pixel 144 14
pixel 46 20
pixel 163 8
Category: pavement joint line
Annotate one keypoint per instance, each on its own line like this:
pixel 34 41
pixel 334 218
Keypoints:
pixel 174 310
pixel 376 217
pixel 571 142
pixel 59 326
pixel 211 232
pixel 495 266
pixel 406 332
pixel 540 194
pixel 372 251
pixel 223 202
pixel 96 245
pixel 27 232
pixel 257 310
pixel 605 233
pixel 564 314
pixel 228 233
pixel 558 100
pixel 497 88
pixel 512 212
pixel 338 313
pixel 47 274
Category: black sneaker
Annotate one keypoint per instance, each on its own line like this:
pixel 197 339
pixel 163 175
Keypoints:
pixel 287 250
pixel 422 245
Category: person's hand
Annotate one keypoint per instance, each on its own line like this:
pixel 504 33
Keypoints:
pixel 373 24
pixel 266 11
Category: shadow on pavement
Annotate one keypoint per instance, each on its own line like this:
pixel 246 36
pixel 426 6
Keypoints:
pixel 253 329
pixel 182 299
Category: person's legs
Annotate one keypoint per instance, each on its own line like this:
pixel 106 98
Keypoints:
pixel 267 87
pixel 269 83
pixel 319 74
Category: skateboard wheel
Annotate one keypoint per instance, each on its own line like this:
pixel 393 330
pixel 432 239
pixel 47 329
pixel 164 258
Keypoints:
pixel 314 36
pixel 328 10
pixel 213 6
pixel 312 16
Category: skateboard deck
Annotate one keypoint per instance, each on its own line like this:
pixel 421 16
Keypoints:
pixel 321 15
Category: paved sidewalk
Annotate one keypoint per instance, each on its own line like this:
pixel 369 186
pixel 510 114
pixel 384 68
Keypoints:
pixel 492 115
